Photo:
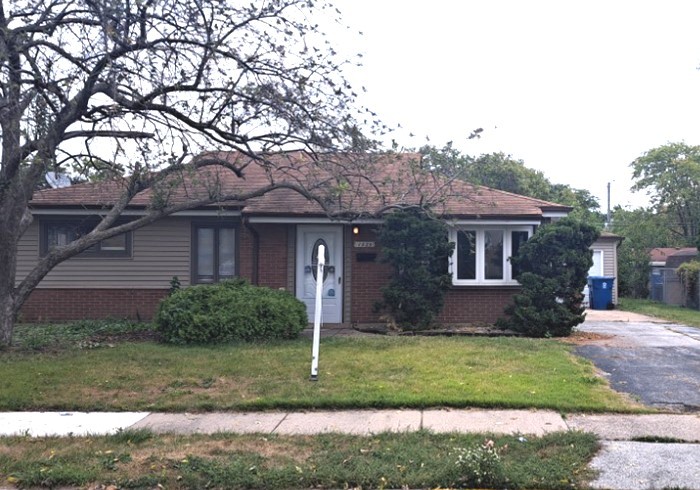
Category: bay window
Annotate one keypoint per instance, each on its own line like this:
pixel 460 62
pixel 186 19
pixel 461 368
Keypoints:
pixel 482 254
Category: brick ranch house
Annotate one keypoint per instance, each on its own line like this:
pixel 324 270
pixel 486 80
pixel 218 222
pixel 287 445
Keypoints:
pixel 269 240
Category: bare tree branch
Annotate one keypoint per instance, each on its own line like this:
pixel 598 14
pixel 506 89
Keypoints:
pixel 106 134
pixel 143 92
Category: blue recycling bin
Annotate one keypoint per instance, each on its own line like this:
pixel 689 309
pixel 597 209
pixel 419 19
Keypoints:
pixel 601 292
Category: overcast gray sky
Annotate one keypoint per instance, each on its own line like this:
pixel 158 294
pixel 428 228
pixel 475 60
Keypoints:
pixel 577 89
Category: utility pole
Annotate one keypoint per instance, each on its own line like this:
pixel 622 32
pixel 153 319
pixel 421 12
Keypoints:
pixel 607 220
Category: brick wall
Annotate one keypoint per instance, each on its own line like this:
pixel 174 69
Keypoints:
pixel 245 253
pixel 72 304
pixel 367 277
pixel 476 304
pixel 273 256
pixel 462 304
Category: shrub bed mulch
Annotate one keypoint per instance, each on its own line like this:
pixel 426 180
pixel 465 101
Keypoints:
pixel 457 330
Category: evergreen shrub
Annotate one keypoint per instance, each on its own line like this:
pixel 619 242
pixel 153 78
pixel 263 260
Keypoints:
pixel 228 312
pixel 417 247
pixel 552 269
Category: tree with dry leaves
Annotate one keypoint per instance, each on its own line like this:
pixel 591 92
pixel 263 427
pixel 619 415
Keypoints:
pixel 133 90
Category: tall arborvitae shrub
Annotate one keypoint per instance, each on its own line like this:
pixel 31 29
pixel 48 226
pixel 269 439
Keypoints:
pixel 553 270
pixel 418 249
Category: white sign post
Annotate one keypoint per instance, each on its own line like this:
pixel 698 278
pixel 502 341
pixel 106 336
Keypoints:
pixel 317 312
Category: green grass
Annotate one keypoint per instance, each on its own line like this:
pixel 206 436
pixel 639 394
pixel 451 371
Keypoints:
pixel 677 314
pixel 403 460
pixel 366 372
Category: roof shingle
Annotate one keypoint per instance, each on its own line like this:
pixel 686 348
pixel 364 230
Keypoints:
pixel 359 184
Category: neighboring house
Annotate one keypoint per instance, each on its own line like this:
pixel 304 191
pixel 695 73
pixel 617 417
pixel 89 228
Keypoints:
pixel 664 283
pixel 605 260
pixel 270 240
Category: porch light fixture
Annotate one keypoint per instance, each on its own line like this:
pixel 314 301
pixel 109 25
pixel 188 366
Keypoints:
pixel 355 230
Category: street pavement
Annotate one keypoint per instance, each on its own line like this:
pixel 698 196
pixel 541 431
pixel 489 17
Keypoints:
pixel 625 465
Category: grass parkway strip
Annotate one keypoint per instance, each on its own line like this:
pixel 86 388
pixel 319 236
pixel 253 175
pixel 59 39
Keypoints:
pixel 407 460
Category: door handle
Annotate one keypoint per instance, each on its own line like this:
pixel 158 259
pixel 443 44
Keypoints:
pixel 340 279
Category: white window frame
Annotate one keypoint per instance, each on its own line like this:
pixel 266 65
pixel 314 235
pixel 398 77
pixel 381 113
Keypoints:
pixel 480 255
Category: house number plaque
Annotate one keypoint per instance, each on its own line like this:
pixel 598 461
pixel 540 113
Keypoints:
pixel 364 245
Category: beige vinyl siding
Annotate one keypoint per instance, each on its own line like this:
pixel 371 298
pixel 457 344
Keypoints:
pixel 609 248
pixel 159 252
pixel 27 251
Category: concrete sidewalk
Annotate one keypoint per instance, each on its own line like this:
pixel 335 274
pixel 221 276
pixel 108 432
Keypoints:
pixel 359 422
pixel 680 427
pixel 624 463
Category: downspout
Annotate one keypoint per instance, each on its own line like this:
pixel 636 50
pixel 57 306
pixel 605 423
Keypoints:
pixel 256 249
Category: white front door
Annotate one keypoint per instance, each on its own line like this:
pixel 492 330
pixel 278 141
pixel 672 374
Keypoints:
pixel 309 237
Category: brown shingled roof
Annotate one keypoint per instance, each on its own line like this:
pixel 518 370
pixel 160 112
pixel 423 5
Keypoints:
pixel 354 183
pixel 661 254
pixel 683 255
pixel 608 236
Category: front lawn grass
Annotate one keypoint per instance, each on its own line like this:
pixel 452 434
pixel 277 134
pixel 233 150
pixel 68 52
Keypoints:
pixel 402 460
pixel 366 372
pixel 677 314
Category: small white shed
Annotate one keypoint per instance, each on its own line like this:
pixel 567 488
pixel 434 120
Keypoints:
pixel 605 259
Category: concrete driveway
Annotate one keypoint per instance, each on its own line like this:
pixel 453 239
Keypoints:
pixel 656 362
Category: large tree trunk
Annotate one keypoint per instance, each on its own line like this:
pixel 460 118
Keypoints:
pixel 7 318
pixel 8 258
pixel 14 219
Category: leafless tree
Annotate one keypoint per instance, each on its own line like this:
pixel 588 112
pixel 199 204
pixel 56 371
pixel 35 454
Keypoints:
pixel 135 89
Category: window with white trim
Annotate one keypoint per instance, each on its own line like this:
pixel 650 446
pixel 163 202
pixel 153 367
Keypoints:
pixel 482 253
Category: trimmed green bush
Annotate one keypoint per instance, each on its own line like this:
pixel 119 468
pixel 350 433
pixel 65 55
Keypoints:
pixel 553 270
pixel 228 312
